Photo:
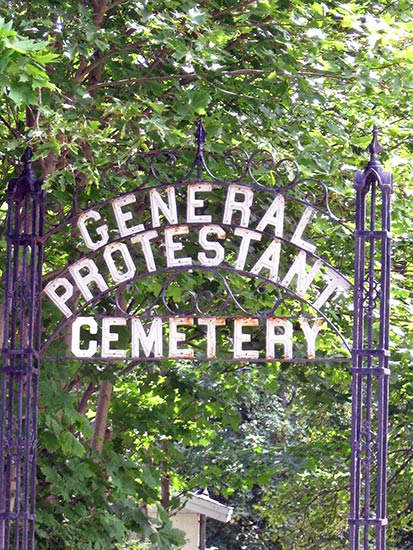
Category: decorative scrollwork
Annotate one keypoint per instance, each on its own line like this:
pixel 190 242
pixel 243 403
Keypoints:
pixel 372 294
pixel 167 167
pixel 104 306
pixel 20 294
pixel 56 212
pixel 341 208
pixel 215 294
pixel 262 168
pixel 266 171
pixel 313 192
pixel 235 161
pixel 190 302
pixel 369 443
pixel 132 300
pixel 175 297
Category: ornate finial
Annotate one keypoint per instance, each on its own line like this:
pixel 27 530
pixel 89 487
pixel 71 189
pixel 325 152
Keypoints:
pixel 200 134
pixel 374 148
pixel 27 156
pixel 27 181
pixel 374 171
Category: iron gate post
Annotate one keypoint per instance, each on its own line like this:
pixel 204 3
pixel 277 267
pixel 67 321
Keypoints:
pixel 370 355
pixel 20 363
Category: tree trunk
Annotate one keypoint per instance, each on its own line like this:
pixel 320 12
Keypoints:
pixel 105 393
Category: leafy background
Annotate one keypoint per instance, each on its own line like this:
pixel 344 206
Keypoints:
pixel 89 83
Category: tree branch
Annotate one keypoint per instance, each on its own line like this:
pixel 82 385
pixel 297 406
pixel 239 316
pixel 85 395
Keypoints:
pixel 14 132
pixel 100 8
pixel 84 70
pixel 90 390
pixel 400 469
pixel 143 79
pixel 187 77
pixel 115 5
pixel 233 9
pixel 190 77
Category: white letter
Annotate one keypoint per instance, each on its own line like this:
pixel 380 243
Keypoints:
pixel 122 217
pixel 83 281
pixel 244 206
pixel 240 337
pixel 168 210
pixel 274 216
pixel 144 239
pixel 211 323
pixel 270 259
pixel 193 202
pixel 75 346
pixel 302 224
pixel 285 338
pixel 247 235
pixel 310 334
pixel 117 275
pixel 152 340
pixel 175 337
pixel 172 246
pixel 60 299
pixel 298 269
pixel 337 283
pixel 108 337
pixel 102 230
pixel 211 245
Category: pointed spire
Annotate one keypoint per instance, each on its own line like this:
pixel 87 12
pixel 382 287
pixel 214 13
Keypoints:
pixel 28 167
pixel 374 170
pixel 374 148
pixel 27 156
pixel 26 182
pixel 200 134
pixel 200 137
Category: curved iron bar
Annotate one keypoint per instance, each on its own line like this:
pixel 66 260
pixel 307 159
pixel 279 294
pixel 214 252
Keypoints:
pixel 314 256
pixel 164 173
pixel 171 165
pixel 238 364
pixel 181 270
pixel 193 297
pixel 72 218
pixel 279 167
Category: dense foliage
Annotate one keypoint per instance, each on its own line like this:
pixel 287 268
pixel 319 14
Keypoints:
pixel 88 83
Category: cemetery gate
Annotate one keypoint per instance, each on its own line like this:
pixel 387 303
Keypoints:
pixel 232 259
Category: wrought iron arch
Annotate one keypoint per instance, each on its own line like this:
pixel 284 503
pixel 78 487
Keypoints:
pixel 26 240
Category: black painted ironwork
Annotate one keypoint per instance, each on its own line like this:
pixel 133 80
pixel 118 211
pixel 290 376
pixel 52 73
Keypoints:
pixel 20 363
pixel 216 294
pixel 217 289
pixel 371 354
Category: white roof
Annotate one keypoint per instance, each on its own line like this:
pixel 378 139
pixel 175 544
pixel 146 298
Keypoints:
pixel 201 503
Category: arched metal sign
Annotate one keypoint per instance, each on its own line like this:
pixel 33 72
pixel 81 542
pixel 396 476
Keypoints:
pixel 238 267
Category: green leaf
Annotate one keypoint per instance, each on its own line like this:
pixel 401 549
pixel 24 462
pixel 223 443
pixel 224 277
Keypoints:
pixel 24 45
pixel 71 445
pixel 200 100
pixel 148 478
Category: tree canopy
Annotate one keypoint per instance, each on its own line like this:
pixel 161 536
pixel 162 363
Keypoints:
pixel 88 85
